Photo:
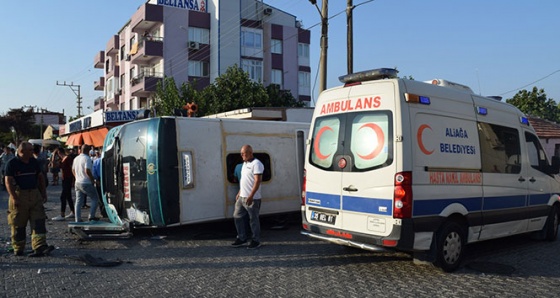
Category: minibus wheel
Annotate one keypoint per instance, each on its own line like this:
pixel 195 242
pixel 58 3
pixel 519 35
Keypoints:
pixel 552 224
pixel 450 246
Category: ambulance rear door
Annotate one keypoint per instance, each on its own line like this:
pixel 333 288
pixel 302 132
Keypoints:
pixel 352 159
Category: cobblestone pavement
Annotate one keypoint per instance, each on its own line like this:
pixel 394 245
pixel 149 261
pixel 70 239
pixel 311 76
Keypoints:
pixel 196 261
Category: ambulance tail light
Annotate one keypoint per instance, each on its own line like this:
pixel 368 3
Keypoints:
pixel 402 196
pixel 303 187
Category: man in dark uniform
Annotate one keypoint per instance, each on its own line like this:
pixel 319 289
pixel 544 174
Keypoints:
pixel 26 186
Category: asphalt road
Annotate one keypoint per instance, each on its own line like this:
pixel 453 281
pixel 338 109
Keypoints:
pixel 196 261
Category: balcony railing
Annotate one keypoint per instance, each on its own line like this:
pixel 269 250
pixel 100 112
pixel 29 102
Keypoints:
pixel 145 74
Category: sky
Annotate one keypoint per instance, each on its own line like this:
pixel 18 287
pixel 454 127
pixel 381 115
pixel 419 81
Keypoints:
pixel 495 47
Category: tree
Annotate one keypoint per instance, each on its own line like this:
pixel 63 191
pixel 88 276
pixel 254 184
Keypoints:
pixel 167 97
pixel 231 91
pixel 535 103
pixel 23 123
pixel 281 98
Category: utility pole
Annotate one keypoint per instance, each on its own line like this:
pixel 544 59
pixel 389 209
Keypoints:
pixel 324 12
pixel 76 90
pixel 350 36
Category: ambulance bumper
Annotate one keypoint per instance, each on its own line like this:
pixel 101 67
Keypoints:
pixel 344 242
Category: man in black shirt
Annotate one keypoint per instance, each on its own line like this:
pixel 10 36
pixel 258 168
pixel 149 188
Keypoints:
pixel 26 186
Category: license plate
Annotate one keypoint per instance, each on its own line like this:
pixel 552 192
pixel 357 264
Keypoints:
pixel 323 217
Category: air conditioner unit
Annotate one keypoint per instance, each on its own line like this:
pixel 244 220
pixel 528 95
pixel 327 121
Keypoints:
pixel 128 57
pixel 193 45
pixel 267 11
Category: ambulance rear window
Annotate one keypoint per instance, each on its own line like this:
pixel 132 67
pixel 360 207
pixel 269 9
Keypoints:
pixel 354 142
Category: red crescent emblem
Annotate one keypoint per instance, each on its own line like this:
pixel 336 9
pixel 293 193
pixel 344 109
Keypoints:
pixel 316 143
pixel 419 139
pixel 380 140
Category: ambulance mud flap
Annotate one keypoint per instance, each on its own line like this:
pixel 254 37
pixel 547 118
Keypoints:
pixel 345 242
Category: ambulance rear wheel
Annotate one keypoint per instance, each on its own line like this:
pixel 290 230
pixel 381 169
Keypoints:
pixel 552 224
pixel 450 246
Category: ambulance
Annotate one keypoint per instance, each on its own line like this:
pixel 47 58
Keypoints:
pixel 423 167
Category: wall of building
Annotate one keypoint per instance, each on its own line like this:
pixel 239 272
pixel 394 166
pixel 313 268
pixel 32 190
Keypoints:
pixel 225 31
pixel 175 47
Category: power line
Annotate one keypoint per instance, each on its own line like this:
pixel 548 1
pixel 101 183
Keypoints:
pixel 523 87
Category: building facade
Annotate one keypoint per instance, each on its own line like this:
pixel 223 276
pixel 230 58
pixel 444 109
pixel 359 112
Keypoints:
pixel 198 40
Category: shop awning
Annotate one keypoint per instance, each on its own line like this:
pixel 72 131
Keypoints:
pixel 75 140
pixel 98 136
pixel 94 137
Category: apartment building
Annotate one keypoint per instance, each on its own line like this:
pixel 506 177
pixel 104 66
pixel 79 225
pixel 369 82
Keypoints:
pixel 198 40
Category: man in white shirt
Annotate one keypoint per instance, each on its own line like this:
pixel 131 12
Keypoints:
pixel 84 185
pixel 248 199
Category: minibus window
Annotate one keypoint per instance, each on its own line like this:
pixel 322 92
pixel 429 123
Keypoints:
pixel 234 159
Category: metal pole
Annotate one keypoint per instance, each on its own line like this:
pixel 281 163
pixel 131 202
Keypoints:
pixel 324 46
pixel 350 36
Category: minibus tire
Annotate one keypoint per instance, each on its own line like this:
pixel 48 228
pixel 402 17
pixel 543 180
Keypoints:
pixel 450 246
pixel 552 224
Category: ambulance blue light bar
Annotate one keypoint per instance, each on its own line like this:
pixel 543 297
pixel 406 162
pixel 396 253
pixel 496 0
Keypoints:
pixel 413 98
pixel 369 75
pixel 482 110
pixel 524 120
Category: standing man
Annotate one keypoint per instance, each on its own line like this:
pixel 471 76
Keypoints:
pixel 82 170
pixel 67 182
pixel 97 177
pixel 4 159
pixel 25 183
pixel 248 199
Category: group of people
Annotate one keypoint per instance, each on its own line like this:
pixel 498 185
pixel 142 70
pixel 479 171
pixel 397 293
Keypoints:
pixel 26 182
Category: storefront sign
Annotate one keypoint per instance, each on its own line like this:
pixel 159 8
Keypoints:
pixel 124 116
pixel 197 5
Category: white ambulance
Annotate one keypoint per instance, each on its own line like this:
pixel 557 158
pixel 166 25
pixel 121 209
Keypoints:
pixel 423 167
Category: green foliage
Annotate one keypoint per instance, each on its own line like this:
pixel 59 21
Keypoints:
pixel 281 98
pixel 168 97
pixel 22 121
pixel 231 91
pixel 535 103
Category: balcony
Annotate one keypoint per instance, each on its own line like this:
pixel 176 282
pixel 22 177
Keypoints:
pixel 99 85
pixel 148 51
pixel 98 104
pixel 113 46
pixel 145 83
pixel 147 17
pixel 99 60
pixel 113 72
pixel 113 102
